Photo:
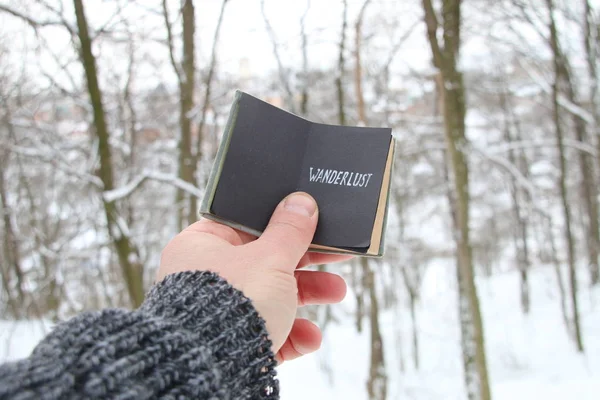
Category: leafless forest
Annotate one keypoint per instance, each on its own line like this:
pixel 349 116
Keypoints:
pixel 111 113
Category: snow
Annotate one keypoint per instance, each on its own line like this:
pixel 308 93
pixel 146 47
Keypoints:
pixel 18 338
pixel 128 189
pixel 528 357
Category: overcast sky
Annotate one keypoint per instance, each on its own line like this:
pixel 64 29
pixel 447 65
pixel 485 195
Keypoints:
pixel 243 35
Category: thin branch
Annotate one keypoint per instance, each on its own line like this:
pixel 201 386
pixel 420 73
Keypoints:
pixel 109 22
pixel 432 24
pixel 304 48
pixel 341 69
pixel 520 179
pixel 35 24
pixel 174 63
pixel 51 158
pixel 209 78
pixel 409 151
pixel 59 13
pixel 283 75
pixel 127 190
pixel 562 100
pixel 398 44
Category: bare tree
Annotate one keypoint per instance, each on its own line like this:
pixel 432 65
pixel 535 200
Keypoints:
pixel 521 234
pixel 360 98
pixel 193 207
pixel 586 163
pixel 377 381
pixel 341 66
pixel 10 247
pixel 592 47
pixel 304 47
pixel 558 82
pixel 284 77
pixel 445 59
pixel 186 74
pixel 131 268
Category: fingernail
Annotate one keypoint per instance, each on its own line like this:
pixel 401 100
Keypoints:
pixel 300 203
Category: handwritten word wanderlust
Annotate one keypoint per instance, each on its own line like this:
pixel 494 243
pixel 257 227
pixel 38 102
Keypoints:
pixel 335 177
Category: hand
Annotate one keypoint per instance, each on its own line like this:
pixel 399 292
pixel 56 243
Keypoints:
pixel 265 269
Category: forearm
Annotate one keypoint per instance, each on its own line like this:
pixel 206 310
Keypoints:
pixel 194 336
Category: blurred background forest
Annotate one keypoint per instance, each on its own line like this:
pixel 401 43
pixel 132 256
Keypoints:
pixel 111 112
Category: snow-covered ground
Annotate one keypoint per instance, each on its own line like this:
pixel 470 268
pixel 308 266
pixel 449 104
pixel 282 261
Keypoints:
pixel 529 357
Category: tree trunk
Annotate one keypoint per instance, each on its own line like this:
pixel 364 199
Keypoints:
pixel 9 248
pixel 362 115
pixel 521 230
pixel 131 268
pixel 474 357
pixel 186 105
pixel 562 292
pixel 590 44
pixel 362 120
pixel 193 206
pixel 559 69
pixel 131 121
pixel 588 193
pixel 453 95
pixel 283 74
pixel 305 71
pixel 591 37
pixel 588 183
pixel 359 297
pixel 415 330
pixel 377 382
pixel 341 68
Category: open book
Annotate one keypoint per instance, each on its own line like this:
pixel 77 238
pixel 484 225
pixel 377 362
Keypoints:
pixel 267 153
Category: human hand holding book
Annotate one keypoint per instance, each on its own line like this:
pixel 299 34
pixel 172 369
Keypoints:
pixel 267 153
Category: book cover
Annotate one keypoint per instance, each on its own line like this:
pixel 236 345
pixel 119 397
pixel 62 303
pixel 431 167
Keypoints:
pixel 267 153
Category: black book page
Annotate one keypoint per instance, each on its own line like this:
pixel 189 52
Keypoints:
pixel 343 170
pixel 262 163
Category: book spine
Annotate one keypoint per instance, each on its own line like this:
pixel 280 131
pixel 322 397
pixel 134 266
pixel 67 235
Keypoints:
pixel 215 173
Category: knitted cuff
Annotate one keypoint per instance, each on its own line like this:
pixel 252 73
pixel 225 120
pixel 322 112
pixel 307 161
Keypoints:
pixel 204 303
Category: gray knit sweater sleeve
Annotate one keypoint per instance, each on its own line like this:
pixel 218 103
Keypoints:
pixel 194 337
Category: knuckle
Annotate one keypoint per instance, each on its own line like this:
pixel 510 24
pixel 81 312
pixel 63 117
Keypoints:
pixel 215 229
pixel 290 231
pixel 289 225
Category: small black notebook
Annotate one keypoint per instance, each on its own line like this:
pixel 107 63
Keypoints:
pixel 267 153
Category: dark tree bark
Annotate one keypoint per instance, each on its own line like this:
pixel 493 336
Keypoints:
pixel 341 67
pixel 127 253
pixel 591 193
pixel 283 74
pixel 521 234
pixel 186 74
pixel 305 79
pixel 413 294
pixel 362 118
pixel 356 281
pixel 360 98
pixel 377 381
pixel 451 86
pixel 559 80
pixel 193 206
pixel 10 248
pixel 592 46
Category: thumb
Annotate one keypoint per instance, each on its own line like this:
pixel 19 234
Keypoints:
pixel 290 231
